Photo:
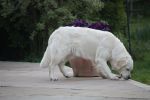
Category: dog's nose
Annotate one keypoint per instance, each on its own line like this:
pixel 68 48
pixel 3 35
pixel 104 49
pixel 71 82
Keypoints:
pixel 128 77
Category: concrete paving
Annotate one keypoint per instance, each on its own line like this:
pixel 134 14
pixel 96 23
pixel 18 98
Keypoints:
pixel 27 81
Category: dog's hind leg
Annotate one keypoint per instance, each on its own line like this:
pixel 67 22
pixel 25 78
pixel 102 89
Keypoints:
pixel 58 58
pixel 53 65
pixel 52 68
pixel 65 72
pixel 52 74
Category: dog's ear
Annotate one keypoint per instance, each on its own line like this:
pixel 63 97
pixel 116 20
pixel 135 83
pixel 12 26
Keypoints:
pixel 122 62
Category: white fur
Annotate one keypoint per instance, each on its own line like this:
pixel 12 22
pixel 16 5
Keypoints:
pixel 98 46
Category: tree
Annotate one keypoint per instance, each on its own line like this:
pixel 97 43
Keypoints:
pixel 26 24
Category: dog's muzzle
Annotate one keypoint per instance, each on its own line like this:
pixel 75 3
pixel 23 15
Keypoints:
pixel 126 78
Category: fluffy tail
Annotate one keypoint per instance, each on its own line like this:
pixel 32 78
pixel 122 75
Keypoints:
pixel 46 59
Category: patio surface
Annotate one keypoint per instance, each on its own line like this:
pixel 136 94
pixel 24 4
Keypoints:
pixel 27 81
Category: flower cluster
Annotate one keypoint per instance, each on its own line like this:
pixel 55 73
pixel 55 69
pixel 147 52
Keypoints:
pixel 98 25
pixel 79 23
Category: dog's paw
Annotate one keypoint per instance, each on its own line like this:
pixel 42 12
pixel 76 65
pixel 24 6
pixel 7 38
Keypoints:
pixel 53 77
pixel 114 77
pixel 68 74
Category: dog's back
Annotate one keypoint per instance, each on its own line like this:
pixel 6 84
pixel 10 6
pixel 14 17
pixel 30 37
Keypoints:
pixel 80 41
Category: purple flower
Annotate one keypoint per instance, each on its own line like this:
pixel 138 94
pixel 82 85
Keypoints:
pixel 79 22
pixel 98 25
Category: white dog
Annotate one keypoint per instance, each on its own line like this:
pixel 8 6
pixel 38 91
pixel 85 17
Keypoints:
pixel 97 46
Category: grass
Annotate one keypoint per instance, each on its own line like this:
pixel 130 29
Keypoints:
pixel 141 71
pixel 140 39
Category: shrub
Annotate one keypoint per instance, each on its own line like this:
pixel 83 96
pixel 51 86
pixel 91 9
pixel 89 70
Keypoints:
pixel 114 13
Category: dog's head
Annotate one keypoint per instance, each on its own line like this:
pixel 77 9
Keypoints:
pixel 124 66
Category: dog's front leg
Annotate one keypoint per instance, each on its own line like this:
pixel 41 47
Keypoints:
pixel 104 70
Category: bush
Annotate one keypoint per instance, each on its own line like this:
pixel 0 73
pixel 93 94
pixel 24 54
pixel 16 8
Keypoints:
pixel 114 13
pixel 140 37
pixel 26 25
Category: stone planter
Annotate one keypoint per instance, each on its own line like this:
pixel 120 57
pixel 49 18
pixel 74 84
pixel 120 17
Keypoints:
pixel 83 68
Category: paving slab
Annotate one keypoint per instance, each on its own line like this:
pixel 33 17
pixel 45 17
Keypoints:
pixel 27 81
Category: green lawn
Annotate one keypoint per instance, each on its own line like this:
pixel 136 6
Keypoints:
pixel 141 71
pixel 140 37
